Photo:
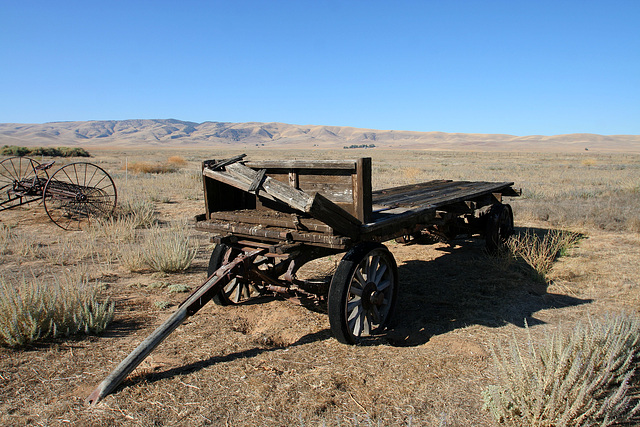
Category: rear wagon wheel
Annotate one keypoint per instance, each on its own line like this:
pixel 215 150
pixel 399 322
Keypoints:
pixel 363 292
pixel 238 289
pixel 499 227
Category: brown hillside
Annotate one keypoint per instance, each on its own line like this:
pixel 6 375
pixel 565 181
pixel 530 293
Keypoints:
pixel 280 135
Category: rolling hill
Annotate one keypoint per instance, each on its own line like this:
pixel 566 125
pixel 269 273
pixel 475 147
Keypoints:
pixel 172 133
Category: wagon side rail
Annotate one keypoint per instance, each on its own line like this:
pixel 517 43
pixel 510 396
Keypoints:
pixel 244 178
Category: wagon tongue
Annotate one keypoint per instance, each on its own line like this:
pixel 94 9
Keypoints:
pixel 190 306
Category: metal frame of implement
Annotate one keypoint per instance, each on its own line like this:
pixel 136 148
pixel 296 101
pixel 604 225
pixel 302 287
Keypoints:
pixel 73 195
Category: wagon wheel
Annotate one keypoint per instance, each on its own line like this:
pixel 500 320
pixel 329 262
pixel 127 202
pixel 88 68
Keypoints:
pixel 499 227
pixel 18 181
pixel 363 291
pixel 239 289
pixel 77 193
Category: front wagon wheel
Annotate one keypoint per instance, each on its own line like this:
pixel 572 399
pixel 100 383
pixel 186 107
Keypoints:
pixel 363 292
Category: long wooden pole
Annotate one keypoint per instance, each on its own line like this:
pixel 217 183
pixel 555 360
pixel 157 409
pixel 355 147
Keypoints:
pixel 189 307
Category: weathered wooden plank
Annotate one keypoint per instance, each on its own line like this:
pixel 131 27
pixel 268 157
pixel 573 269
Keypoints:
pixel 337 188
pixel 330 213
pixel 278 190
pixel 272 218
pixel 361 182
pixel 302 164
pixel 392 224
pixel 392 195
pixel 318 206
pixel 469 192
pixel 453 192
pixel 189 307
pixel 275 234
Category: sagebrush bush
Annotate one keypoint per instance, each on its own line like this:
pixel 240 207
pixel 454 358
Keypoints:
pixel 168 249
pixel 35 309
pixel 576 378
pixel 130 257
pixel 140 211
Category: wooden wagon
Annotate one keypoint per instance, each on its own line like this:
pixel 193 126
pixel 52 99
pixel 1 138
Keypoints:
pixel 269 218
pixel 302 210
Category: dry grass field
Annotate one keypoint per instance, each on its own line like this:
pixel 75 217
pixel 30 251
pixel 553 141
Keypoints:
pixel 274 363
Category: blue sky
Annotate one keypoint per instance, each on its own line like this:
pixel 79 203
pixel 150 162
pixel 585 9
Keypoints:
pixel 516 67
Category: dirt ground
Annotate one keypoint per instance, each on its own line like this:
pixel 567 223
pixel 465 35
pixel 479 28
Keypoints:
pixel 270 362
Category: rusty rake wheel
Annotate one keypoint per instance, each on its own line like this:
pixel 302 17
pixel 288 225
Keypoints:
pixel 240 288
pixel 78 193
pixel 19 181
pixel 363 292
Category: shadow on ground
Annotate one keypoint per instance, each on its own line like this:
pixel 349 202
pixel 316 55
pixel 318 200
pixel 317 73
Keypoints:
pixel 466 286
pixel 462 287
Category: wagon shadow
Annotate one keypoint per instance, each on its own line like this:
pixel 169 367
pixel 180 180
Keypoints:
pixel 465 286
pixel 215 360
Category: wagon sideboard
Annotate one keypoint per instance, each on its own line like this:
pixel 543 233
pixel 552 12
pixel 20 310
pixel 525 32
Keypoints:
pixel 330 203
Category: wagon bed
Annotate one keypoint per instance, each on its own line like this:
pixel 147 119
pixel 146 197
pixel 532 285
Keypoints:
pixel 355 213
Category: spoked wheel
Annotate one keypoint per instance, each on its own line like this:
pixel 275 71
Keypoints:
pixel 78 193
pixel 363 291
pixel 239 289
pixel 499 227
pixel 19 181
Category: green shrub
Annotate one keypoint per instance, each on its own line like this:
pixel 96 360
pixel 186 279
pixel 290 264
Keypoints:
pixel 35 309
pixel 13 150
pixel 580 378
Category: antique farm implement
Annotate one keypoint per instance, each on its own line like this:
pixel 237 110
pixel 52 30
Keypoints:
pixel 72 196
pixel 269 218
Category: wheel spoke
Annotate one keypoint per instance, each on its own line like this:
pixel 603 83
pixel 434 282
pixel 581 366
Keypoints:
pixel 372 264
pixel 361 322
pixel 351 305
pixel 380 273
pixel 354 312
pixel 359 279
pixel 355 291
pixel 376 315
pixel 384 285
pixel 354 324
pixel 366 323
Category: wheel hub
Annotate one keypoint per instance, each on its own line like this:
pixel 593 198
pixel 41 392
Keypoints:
pixel 371 296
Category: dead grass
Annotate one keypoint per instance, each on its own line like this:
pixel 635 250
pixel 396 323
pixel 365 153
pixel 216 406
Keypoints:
pixel 149 167
pixel 274 363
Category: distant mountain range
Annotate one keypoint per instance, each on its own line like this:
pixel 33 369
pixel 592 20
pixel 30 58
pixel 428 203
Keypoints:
pixel 171 133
